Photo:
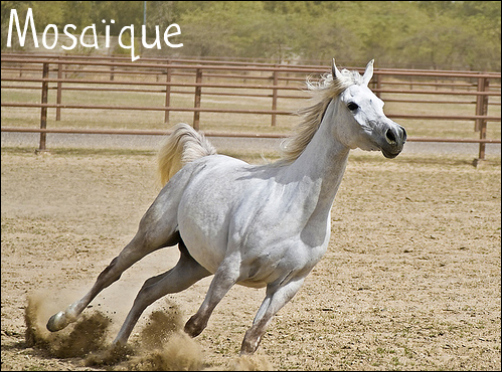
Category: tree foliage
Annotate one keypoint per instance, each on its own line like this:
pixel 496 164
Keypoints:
pixel 419 34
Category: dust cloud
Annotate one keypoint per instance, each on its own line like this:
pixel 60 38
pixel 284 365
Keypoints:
pixel 161 344
pixel 251 363
pixel 78 339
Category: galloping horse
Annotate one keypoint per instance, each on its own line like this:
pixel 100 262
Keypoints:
pixel 255 225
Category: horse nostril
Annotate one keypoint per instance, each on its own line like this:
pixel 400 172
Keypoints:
pixel 405 136
pixel 390 137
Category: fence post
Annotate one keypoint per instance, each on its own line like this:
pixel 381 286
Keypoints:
pixel 274 97
pixel 198 92
pixel 480 103
pixel 112 68
pixel 43 111
pixel 168 93
pixel 59 91
pixel 483 110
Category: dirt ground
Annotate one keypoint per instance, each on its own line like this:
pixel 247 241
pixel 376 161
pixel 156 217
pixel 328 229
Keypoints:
pixel 411 279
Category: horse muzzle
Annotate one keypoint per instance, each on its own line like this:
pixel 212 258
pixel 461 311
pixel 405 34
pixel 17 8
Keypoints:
pixel 393 142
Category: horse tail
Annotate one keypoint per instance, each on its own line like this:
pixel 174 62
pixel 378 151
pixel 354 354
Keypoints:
pixel 183 146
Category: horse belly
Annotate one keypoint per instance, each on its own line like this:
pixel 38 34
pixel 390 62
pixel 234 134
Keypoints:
pixel 206 249
pixel 205 206
pixel 204 230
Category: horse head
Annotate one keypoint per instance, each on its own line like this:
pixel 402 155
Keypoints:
pixel 364 123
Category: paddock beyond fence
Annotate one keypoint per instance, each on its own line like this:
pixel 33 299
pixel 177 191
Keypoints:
pixel 268 86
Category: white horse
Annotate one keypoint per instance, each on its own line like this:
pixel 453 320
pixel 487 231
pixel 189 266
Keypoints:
pixel 259 226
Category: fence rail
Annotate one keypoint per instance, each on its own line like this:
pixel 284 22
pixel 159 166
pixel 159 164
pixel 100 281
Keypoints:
pixel 101 73
pixel 218 134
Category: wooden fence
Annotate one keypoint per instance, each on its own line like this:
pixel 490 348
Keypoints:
pixel 282 81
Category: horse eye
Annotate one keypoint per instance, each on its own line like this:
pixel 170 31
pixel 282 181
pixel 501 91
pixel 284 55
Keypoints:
pixel 352 106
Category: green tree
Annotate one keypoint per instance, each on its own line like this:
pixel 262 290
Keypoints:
pixel 422 34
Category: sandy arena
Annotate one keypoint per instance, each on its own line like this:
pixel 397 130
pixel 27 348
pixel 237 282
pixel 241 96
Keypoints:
pixel 411 279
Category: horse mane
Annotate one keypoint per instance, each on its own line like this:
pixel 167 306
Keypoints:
pixel 322 93
pixel 185 145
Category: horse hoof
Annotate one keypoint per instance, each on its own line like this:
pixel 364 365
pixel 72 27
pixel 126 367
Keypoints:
pixel 192 328
pixel 57 322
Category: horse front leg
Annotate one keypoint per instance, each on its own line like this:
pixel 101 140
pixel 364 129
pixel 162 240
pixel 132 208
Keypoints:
pixel 276 298
pixel 224 278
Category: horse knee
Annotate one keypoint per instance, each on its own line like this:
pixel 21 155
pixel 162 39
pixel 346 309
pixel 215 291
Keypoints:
pixel 108 275
pixel 147 294
pixel 129 255
pixel 151 282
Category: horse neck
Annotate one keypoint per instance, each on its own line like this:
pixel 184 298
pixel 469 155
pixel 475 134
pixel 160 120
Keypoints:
pixel 324 159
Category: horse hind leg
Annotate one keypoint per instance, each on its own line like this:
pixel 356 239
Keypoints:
pixel 186 273
pixel 141 245
pixel 157 229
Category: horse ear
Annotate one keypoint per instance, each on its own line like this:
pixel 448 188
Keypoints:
pixel 334 71
pixel 368 73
